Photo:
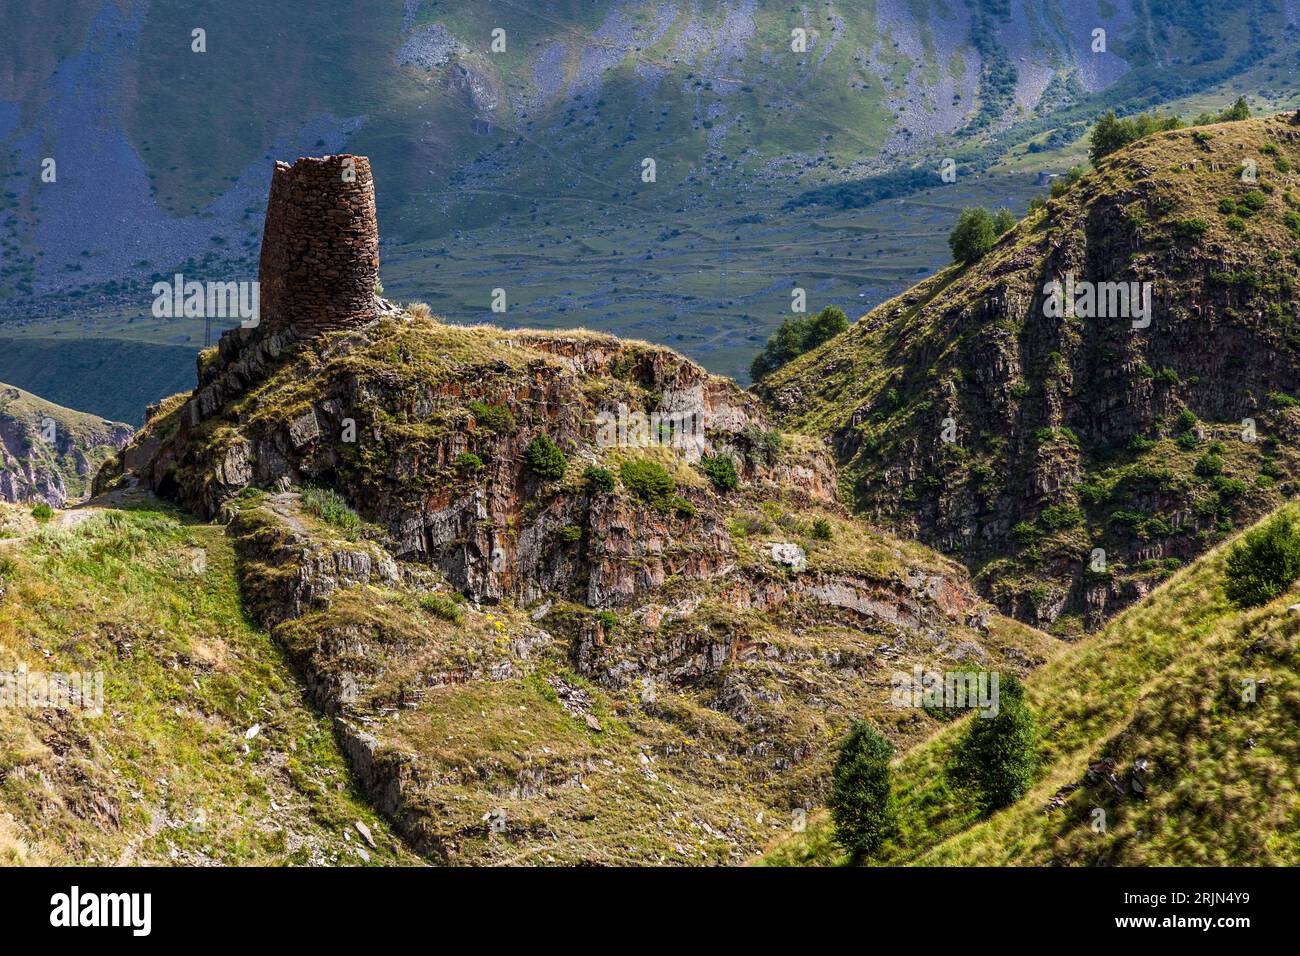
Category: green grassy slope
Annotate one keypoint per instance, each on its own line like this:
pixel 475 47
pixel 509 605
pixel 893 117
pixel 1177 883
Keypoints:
pixel 174 771
pixel 109 377
pixel 1164 683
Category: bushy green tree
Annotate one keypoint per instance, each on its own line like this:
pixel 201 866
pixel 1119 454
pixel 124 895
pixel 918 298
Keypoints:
pixel 998 755
pixel 861 798
pixel 1264 563
pixel 721 471
pixel 544 458
pixel 649 481
pixel 1107 136
pixel 468 463
pixel 973 236
pixel 1239 110
pixel 796 336
pixel 1112 133
pixel 495 418
pixel 598 479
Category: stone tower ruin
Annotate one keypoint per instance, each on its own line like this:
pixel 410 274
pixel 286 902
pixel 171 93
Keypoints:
pixel 320 246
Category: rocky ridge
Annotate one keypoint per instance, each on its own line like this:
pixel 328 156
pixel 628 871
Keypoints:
pixel 1076 461
pixel 550 668
pixel 49 453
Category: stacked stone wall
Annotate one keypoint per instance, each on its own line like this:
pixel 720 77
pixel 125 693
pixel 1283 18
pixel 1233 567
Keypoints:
pixel 320 247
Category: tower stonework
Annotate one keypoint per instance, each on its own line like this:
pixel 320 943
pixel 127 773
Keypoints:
pixel 320 247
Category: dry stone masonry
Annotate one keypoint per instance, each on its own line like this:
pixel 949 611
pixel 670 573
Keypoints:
pixel 320 246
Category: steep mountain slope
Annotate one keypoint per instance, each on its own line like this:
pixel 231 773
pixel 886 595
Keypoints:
pixel 1168 739
pixel 529 667
pixel 49 453
pixel 204 751
pixel 1074 460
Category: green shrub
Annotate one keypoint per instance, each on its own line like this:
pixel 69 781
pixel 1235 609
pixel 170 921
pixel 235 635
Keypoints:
pixel 42 511
pixel 1229 488
pixel 748 525
pixel 764 447
pixel 598 479
pixel 682 508
pixel 467 463
pixel 544 459
pixel 648 480
pixel 1186 420
pixel 1112 133
pixel 1209 465
pixel 721 470
pixel 821 530
pixel 1004 220
pixel 1094 492
pixel 608 619
pixel 569 533
pixel 1264 563
pixel 330 507
pixel 1026 533
pixel 1062 185
pixel 998 755
pixel 495 418
pixel 1055 517
pixel 1140 443
pixel 861 797
pixel 796 336
pixel 973 236
pixel 442 606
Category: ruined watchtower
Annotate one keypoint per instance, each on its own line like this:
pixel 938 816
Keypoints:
pixel 320 246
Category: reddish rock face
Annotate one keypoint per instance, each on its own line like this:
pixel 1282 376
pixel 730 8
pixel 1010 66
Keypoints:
pixel 320 246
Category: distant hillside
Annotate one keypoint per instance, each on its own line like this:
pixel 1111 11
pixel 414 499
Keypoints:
pixel 1155 753
pixel 50 453
pixel 1074 462
pixel 522 169
pixel 115 378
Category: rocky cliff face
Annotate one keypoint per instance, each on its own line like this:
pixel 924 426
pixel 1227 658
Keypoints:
pixel 49 453
pixel 1076 456
pixel 386 413
pixel 558 664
